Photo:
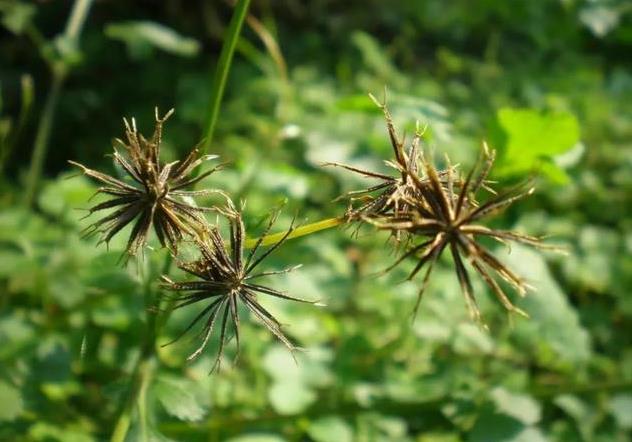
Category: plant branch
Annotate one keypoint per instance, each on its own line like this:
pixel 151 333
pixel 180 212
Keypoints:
pixel 308 229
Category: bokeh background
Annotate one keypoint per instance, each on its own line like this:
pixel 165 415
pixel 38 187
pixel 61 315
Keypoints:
pixel 548 84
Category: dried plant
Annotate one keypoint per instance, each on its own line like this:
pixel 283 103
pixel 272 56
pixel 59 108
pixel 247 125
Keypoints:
pixel 449 219
pixel 391 193
pixel 153 194
pixel 225 279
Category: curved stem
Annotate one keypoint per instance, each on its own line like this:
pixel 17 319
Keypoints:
pixel 308 229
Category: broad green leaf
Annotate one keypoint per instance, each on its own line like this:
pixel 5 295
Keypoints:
pixel 554 326
pixel 178 397
pixel 330 428
pixel 290 396
pixel 11 404
pixel 528 139
pixel 498 427
pixel 519 406
pixel 141 36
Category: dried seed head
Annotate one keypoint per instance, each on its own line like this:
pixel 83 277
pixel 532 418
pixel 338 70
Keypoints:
pixel 225 279
pixel 152 194
pixel 392 195
pixel 447 219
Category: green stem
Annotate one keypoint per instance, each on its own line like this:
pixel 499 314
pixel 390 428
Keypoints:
pixel 298 232
pixel 41 138
pixel 59 69
pixel 141 378
pixel 223 66
pixel 144 368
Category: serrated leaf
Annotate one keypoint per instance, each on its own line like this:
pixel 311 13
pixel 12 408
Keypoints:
pixel 178 398
pixel 528 139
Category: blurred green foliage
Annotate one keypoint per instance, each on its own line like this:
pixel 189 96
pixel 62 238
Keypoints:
pixel 546 83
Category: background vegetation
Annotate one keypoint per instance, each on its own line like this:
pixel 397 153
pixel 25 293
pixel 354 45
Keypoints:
pixel 548 83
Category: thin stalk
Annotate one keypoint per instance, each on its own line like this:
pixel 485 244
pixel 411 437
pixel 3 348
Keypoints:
pixel 308 229
pixel 146 363
pixel 223 67
pixel 59 69
pixel 143 370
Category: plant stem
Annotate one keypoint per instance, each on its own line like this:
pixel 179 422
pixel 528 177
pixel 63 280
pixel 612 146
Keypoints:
pixel 144 368
pixel 223 66
pixel 298 232
pixel 59 68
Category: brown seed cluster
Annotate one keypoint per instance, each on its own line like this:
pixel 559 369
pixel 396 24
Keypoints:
pixel 153 193
pixel 225 278
pixel 438 210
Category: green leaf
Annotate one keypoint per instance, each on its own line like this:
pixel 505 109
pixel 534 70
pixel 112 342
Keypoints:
pixel 471 339
pixel 16 16
pixel 11 404
pixel 584 414
pixel 290 396
pixel 600 19
pixel 528 139
pixel 141 36
pixel 498 427
pixel 621 409
pixel 62 197
pixel 330 428
pixel 47 432
pixel 178 398
pixel 519 406
pixel 554 326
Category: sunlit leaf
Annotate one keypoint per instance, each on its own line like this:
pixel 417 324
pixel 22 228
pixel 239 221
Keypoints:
pixel 141 36
pixel 290 396
pixel 178 397
pixel 528 139
pixel 330 428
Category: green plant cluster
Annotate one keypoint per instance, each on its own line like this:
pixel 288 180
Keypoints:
pixel 545 83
